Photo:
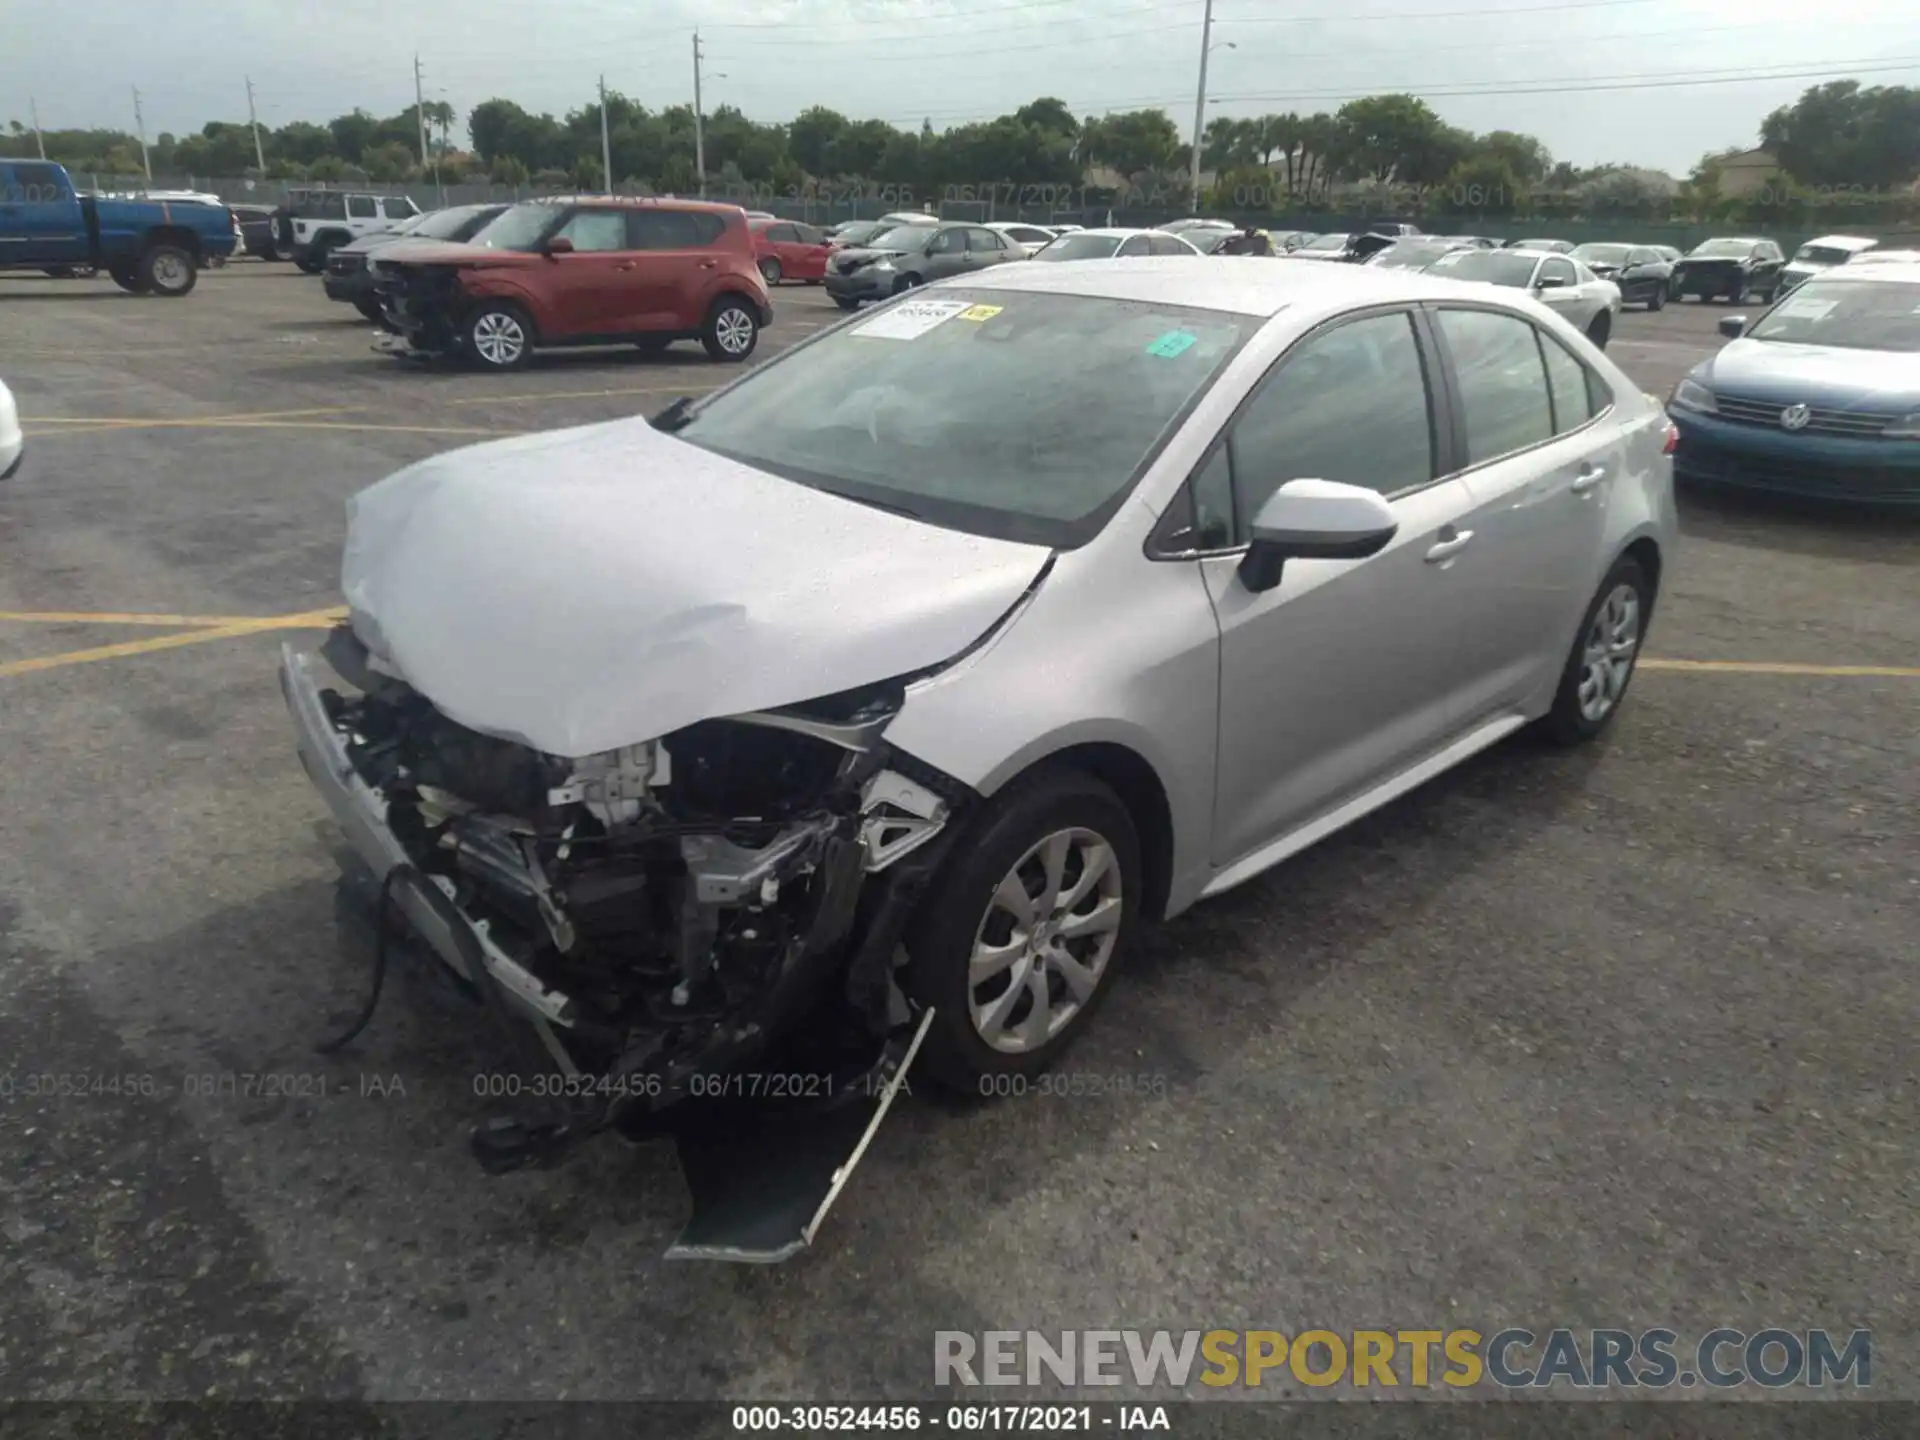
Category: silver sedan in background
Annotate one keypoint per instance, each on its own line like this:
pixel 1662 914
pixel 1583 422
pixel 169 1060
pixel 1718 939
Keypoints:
pixel 907 677
pixel 1567 287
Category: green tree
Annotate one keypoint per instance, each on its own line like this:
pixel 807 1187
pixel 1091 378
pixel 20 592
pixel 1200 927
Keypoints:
pixel 1138 142
pixel 1524 155
pixel 1393 137
pixel 812 135
pixel 352 134
pixel 1841 134
pixel 1482 184
pixel 388 161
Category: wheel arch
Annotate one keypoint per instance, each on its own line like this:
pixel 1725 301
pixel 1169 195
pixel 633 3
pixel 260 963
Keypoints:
pixel 177 235
pixel 1134 779
pixel 1645 550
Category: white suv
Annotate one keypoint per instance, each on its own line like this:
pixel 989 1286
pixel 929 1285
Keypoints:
pixel 324 219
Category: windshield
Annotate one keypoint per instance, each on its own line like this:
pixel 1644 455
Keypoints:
pixel 1080 247
pixel 1326 242
pixel 1023 416
pixel 1206 241
pixel 1851 314
pixel 1823 254
pixel 452 224
pixel 1722 250
pixel 518 227
pixel 901 237
pixel 1497 267
pixel 1614 255
pixel 859 232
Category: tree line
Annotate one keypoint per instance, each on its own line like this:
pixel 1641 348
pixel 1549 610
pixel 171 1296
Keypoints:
pixel 1837 139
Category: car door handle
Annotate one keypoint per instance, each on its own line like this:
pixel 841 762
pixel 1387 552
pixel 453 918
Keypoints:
pixel 624 265
pixel 709 264
pixel 1449 547
pixel 1590 475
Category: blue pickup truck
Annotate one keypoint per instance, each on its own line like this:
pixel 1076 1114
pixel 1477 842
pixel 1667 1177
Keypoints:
pixel 148 246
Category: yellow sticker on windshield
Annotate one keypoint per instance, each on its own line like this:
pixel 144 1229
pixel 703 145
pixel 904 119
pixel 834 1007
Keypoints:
pixel 981 312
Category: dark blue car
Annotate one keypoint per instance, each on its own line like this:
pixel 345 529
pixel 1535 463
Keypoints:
pixel 1819 398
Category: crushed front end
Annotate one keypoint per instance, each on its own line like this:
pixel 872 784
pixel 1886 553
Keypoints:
pixel 422 303
pixel 725 899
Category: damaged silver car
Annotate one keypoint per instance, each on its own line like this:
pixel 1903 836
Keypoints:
pixel 861 710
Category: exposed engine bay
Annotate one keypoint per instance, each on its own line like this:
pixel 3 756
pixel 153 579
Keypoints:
pixel 694 902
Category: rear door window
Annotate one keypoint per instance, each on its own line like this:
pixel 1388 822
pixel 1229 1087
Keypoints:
pixel 1502 382
pixel 985 242
pixel 673 229
pixel 783 234
pixel 361 207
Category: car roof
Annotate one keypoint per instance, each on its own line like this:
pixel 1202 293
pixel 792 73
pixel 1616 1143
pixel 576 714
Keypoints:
pixel 1263 290
pixel 639 202
pixel 1901 268
pixel 1122 232
pixel 1843 242
pixel 1886 257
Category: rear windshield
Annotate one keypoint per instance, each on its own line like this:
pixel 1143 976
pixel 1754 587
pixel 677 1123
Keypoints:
pixel 1722 250
pixel 1080 247
pixel 1615 255
pixel 1823 254
pixel 1018 415
pixel 1410 257
pixel 1326 242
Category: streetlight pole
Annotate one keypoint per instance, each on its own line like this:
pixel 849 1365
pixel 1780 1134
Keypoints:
pixel 699 135
pixel 259 155
pixel 39 139
pixel 1200 101
pixel 606 141
pixel 140 124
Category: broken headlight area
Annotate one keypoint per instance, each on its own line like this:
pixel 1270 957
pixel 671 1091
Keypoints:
pixel 690 905
pixel 424 301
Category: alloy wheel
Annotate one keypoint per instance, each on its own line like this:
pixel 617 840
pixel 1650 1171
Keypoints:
pixel 1043 945
pixel 733 328
pixel 1612 644
pixel 498 338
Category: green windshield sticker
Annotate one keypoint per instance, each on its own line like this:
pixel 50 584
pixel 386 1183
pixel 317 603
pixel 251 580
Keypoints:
pixel 1174 342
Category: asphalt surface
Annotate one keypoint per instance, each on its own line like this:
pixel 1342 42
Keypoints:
pixel 1621 1037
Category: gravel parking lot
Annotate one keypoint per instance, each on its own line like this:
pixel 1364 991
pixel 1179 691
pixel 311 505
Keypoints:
pixel 1621 1037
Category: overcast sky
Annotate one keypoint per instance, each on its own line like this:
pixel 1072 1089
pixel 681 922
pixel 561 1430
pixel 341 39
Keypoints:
pixel 957 60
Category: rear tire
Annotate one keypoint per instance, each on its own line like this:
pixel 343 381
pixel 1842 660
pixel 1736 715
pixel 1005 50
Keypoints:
pixel 1656 298
pixel 732 330
pixel 770 270
pixel 168 270
pixel 846 304
pixel 1604 656
pixel 498 336
pixel 964 911
pixel 1600 330
pixel 906 283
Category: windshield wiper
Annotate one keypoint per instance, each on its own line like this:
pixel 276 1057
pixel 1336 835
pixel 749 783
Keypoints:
pixel 674 417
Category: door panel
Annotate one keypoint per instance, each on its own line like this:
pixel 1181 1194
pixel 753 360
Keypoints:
pixel 590 291
pixel 1335 679
pixel 948 254
pixel 676 269
pixel 1343 673
pixel 1542 469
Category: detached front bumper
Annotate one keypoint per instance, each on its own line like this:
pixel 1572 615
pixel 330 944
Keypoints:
pixel 428 904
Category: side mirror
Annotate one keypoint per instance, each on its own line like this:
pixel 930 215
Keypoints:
pixel 1315 520
pixel 1550 282
pixel 1733 326
pixel 559 245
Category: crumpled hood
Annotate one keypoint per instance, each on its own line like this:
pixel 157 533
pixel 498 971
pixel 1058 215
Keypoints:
pixel 584 589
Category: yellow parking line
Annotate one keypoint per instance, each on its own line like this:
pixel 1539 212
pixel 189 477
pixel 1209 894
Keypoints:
pixel 1763 667
pixel 312 620
pixel 346 425
pixel 187 420
pixel 583 394
pixel 171 622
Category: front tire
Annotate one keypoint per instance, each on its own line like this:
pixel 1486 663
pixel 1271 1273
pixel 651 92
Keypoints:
pixel 369 309
pixel 905 283
pixel 128 279
pixel 498 336
pixel 846 303
pixel 732 330
pixel 1604 655
pixel 1656 298
pixel 168 270
pixel 1017 941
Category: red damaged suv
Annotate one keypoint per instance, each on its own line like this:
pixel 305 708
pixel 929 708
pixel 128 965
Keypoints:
pixel 581 271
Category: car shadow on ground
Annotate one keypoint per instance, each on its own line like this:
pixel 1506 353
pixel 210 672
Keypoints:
pixel 1825 528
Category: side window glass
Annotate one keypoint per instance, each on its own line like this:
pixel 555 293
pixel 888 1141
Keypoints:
pixel 592 230
pixel 397 208
pixel 985 242
pixel 1567 383
pixel 783 234
pixel 1346 404
pixel 1561 270
pixel 1212 489
pixel 947 242
pixel 1133 246
pixel 360 207
pixel 1502 381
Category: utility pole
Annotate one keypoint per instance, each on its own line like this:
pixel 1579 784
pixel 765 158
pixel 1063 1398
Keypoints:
pixel 140 124
pixel 427 158
pixel 606 142
pixel 253 120
pixel 699 134
pixel 39 140
pixel 1200 101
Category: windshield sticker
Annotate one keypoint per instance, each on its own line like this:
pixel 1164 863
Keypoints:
pixel 1174 342
pixel 981 312
pixel 1808 307
pixel 910 319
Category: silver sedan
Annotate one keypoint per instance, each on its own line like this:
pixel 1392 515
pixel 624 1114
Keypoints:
pixel 1588 303
pixel 898 684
